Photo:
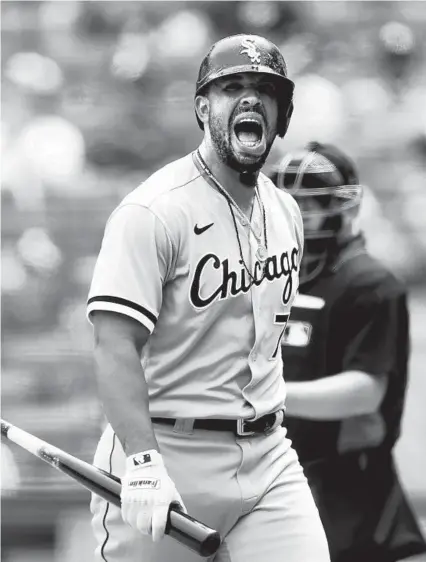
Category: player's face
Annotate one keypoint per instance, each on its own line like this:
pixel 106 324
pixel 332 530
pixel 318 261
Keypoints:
pixel 243 119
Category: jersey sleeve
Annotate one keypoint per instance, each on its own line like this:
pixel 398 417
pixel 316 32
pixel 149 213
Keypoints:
pixel 134 263
pixel 377 333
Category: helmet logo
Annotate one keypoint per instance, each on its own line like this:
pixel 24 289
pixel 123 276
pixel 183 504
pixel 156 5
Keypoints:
pixel 250 49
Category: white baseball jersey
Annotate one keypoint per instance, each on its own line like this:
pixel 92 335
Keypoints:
pixel 170 259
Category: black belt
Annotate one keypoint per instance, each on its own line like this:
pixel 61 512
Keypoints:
pixel 241 428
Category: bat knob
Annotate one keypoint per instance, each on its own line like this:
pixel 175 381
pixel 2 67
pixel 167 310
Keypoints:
pixel 192 533
pixel 4 427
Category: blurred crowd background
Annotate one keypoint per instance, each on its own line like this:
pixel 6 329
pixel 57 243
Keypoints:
pixel 98 95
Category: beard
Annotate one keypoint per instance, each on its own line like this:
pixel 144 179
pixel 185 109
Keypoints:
pixel 220 132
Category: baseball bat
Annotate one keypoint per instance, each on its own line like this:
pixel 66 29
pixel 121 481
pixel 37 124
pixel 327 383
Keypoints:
pixel 188 531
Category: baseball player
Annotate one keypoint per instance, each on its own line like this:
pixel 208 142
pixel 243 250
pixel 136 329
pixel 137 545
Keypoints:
pixel 190 296
pixel 345 352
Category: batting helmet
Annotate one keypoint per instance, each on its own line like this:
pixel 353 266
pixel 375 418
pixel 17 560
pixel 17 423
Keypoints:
pixel 324 182
pixel 249 53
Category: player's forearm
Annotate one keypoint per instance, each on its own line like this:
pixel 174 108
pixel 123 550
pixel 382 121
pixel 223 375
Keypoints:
pixel 124 395
pixel 341 396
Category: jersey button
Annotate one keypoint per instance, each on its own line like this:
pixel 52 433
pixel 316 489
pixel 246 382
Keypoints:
pixel 254 356
pixel 244 222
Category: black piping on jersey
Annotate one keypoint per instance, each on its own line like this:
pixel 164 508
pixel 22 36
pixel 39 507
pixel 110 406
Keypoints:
pixel 125 302
pixel 107 505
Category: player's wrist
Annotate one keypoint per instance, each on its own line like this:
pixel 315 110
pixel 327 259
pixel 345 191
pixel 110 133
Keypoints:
pixel 144 459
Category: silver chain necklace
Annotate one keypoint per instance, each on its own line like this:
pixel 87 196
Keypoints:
pixel 262 249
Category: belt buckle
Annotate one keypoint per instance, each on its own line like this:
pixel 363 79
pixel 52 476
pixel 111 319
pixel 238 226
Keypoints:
pixel 240 429
pixel 279 418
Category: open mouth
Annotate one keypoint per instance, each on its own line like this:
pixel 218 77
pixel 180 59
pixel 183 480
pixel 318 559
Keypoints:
pixel 249 135
pixel 248 132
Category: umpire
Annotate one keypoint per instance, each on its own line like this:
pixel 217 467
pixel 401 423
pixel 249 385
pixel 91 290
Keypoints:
pixel 346 351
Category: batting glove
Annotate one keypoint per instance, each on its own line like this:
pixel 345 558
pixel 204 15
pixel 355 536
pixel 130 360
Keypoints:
pixel 146 494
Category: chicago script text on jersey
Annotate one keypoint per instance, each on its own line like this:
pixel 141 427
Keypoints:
pixel 235 282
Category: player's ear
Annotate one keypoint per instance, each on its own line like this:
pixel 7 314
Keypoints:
pixel 202 108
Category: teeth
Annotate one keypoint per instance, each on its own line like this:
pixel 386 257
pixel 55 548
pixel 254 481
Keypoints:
pixel 249 121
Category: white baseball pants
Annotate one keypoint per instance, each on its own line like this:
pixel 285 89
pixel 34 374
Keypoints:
pixel 251 489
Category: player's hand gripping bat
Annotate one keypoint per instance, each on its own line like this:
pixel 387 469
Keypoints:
pixel 192 533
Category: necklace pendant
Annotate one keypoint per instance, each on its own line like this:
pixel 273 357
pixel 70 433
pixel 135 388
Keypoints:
pixel 261 253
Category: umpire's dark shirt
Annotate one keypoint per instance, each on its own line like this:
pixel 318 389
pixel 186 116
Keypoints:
pixel 362 325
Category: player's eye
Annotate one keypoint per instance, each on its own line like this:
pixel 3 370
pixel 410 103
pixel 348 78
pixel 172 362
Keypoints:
pixel 232 86
pixel 267 88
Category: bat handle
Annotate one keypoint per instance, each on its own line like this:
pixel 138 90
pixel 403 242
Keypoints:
pixel 190 532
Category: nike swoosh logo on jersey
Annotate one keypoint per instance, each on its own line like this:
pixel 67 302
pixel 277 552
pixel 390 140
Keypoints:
pixel 201 229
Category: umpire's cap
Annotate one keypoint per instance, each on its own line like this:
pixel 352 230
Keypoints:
pixel 344 164
pixel 249 53
pixel 322 172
